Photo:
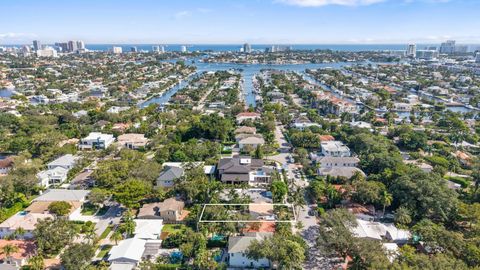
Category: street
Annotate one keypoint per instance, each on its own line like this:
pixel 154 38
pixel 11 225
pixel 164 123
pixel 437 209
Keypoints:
pixel 110 217
pixel 309 231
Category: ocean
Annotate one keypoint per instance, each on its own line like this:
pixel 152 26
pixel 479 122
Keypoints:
pixel 255 47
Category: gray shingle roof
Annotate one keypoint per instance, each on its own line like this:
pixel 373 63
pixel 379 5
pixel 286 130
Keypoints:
pixel 171 173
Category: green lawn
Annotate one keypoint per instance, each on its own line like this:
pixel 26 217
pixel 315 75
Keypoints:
pixel 106 232
pixel 104 251
pixel 172 228
pixel 89 209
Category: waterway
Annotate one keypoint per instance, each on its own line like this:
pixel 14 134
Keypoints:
pixel 246 70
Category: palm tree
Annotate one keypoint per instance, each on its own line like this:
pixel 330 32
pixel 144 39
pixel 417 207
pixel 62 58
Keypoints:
pixel 90 234
pixel 36 262
pixel 19 232
pixel 116 236
pixel 386 200
pixel 8 250
pixel 129 224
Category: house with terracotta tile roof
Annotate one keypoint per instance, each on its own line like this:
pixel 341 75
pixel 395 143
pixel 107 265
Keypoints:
pixel 25 249
pixel 247 116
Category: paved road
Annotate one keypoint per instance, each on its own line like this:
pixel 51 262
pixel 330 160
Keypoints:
pixel 315 259
pixel 110 217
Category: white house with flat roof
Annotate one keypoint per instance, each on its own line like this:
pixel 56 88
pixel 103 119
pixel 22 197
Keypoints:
pixel 335 149
pixel 96 140
pixel 53 176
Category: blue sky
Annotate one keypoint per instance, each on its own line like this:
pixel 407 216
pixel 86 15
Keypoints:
pixel 239 21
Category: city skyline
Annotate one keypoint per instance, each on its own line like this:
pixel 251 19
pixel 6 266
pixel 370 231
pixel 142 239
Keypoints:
pixel 252 21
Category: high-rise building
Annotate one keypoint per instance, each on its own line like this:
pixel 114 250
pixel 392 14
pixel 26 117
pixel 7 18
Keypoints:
pixel 116 49
pixel 133 49
pixel 37 45
pixel 72 46
pixel 247 48
pixel 183 48
pixel 80 45
pixel 156 49
pixel 411 50
pixel 448 47
pixel 477 58
pixel 162 49
pixel 63 46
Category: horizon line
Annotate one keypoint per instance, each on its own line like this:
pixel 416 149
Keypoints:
pixel 193 44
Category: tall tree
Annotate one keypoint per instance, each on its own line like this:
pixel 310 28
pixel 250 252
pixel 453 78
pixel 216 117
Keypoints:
pixel 77 256
pixel 53 235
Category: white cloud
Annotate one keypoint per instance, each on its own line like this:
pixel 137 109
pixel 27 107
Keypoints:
pixel 319 3
pixel 16 35
pixel 182 14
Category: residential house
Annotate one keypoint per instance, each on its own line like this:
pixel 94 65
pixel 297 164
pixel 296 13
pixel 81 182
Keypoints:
pixel 247 116
pixel 380 231
pixel 120 127
pixel 117 109
pixel 174 170
pixel 132 140
pixel 23 219
pixel 148 229
pixel 245 130
pixel 238 169
pixel 303 123
pixel 402 107
pixel 170 210
pixel 249 141
pixel 76 198
pixel 52 195
pixel 96 140
pixel 169 175
pixel 331 161
pixel 237 248
pixel 345 172
pixel 335 149
pixel 67 162
pixel 53 176
pixel 19 258
pixel 127 254
pixel 422 165
pixel 6 164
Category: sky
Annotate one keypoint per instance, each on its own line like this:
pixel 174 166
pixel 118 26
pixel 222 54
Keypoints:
pixel 240 21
